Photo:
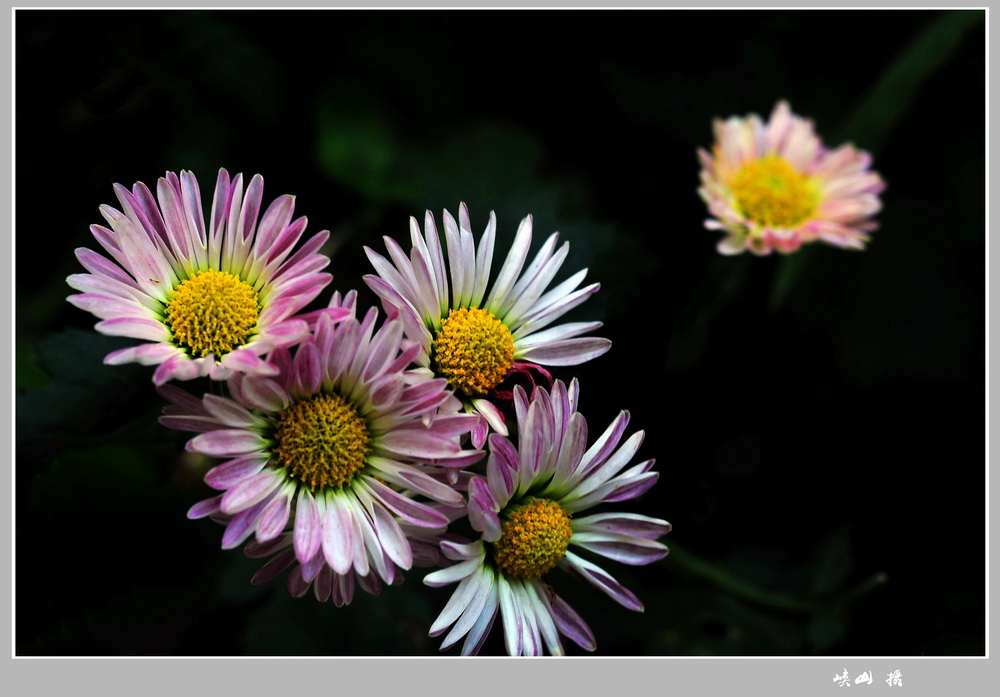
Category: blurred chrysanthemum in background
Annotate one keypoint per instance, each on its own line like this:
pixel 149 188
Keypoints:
pixel 524 511
pixel 210 300
pixel 471 338
pixel 338 447
pixel 775 186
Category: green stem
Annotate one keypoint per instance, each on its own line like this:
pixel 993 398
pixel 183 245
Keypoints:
pixel 788 271
pixel 737 586
pixel 723 579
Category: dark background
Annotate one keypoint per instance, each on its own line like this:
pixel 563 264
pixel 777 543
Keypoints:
pixel 818 420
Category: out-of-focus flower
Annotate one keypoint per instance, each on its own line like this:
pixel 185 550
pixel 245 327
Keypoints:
pixel 774 186
pixel 474 338
pixel 336 445
pixel 210 300
pixel 525 510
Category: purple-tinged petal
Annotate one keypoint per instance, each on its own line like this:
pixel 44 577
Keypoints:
pixel 311 568
pixel 418 445
pixel 343 590
pixel 308 527
pixel 205 508
pixel 501 469
pixel 229 474
pixel 143 354
pixel 274 567
pixel 571 625
pixel 459 601
pixel 297 586
pixel 255 549
pixel 483 510
pixel 287 332
pixel 409 510
pixel 274 517
pixel 308 367
pixel 181 401
pixel 620 548
pixel 631 524
pixel 383 349
pixel 228 412
pixel 477 635
pixel 105 307
pixel 227 443
pixel 409 477
pixel 386 391
pixel 323 586
pixel 455 550
pixel 250 491
pixel 606 444
pixel 244 360
pixel 134 327
pixel 242 526
pixel 264 394
pixel 511 266
pixel 631 489
pixel 566 351
pixel 392 539
pixel 492 415
pixel 602 580
pixel 512 620
pixel 479 433
pixel 485 591
pixel 202 424
pixel 337 531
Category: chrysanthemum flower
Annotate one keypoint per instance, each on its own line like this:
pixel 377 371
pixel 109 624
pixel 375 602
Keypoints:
pixel 210 300
pixel 340 442
pixel 774 186
pixel 474 338
pixel 525 509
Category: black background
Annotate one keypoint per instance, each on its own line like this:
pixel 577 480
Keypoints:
pixel 820 442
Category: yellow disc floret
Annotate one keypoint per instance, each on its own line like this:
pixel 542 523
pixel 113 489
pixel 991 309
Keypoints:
pixel 534 536
pixel 323 442
pixel 772 193
pixel 474 350
pixel 212 312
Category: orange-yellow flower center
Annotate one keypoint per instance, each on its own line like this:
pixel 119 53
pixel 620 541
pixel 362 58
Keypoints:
pixel 534 536
pixel 474 350
pixel 212 312
pixel 323 442
pixel 769 191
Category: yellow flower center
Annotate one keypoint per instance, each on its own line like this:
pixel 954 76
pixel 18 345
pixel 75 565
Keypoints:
pixel 212 312
pixel 534 536
pixel 474 350
pixel 771 192
pixel 323 442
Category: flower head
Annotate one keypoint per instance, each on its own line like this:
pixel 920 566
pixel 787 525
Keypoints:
pixel 209 300
pixel 332 449
pixel 774 186
pixel 527 510
pixel 474 338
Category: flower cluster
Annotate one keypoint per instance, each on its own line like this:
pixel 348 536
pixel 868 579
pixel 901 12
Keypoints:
pixel 352 448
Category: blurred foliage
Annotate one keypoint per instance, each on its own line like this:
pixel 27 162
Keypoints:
pixel 810 414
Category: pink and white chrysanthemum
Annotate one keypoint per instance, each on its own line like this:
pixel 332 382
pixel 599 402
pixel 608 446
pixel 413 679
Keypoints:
pixel 474 338
pixel 525 509
pixel 209 300
pixel 335 446
pixel 775 186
